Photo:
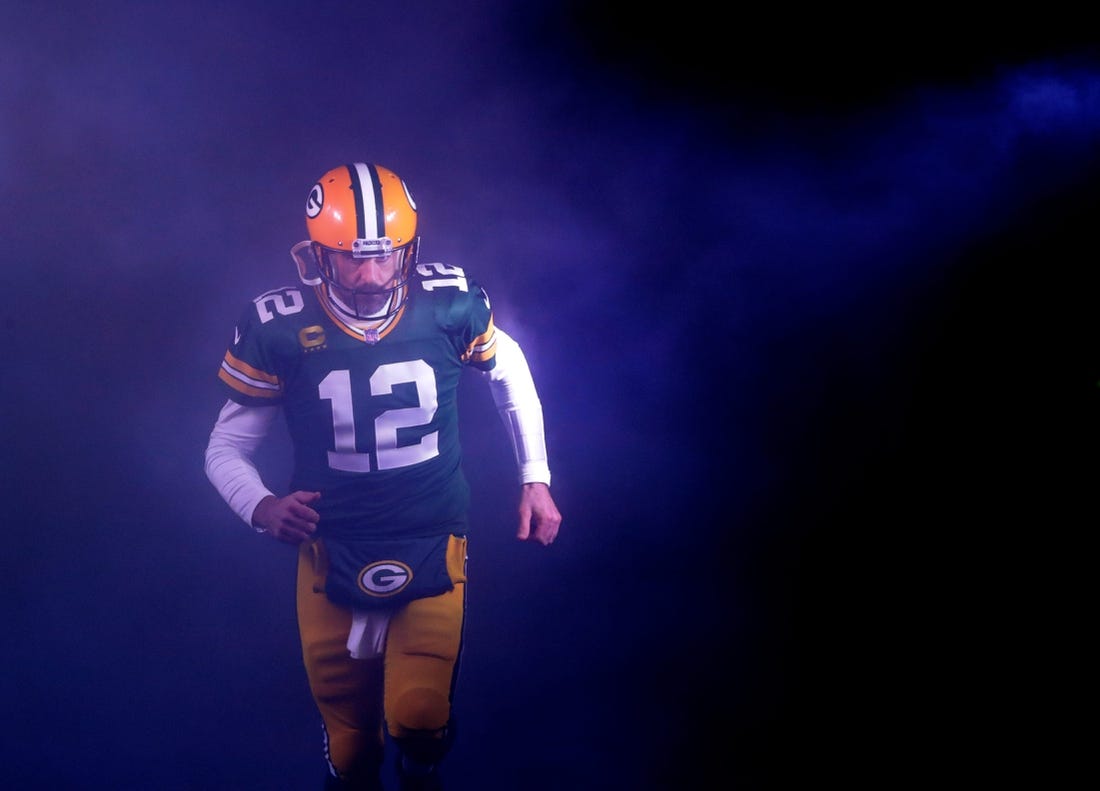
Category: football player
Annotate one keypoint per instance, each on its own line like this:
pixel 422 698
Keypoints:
pixel 363 360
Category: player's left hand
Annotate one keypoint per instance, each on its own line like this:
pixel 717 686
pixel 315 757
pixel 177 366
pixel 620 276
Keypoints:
pixel 539 518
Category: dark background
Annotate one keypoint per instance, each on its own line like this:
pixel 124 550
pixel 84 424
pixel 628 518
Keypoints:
pixel 807 300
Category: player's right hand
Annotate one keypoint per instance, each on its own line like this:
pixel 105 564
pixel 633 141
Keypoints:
pixel 288 519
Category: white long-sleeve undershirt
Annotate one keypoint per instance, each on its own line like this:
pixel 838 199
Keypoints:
pixel 239 430
pixel 237 434
pixel 517 401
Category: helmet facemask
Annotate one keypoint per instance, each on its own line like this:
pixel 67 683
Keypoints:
pixel 360 295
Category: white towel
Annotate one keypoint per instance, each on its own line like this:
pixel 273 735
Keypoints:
pixel 367 638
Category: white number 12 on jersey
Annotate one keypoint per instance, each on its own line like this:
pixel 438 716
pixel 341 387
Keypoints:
pixel 336 387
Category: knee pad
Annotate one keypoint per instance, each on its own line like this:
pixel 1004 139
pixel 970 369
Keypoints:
pixel 419 709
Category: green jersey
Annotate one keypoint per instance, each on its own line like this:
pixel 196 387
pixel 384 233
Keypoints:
pixel 372 411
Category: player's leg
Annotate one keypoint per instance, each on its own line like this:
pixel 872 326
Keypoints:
pixel 422 652
pixel 348 692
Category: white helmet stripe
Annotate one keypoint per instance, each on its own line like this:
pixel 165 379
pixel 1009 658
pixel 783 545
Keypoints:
pixel 368 197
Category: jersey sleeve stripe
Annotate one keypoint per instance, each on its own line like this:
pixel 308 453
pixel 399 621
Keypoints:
pixel 483 348
pixel 245 388
pixel 247 379
pixel 239 367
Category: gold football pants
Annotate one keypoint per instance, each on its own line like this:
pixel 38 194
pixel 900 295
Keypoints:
pixel 408 689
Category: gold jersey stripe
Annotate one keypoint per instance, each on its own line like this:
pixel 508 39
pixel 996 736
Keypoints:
pixel 249 371
pixel 244 387
pixel 483 347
